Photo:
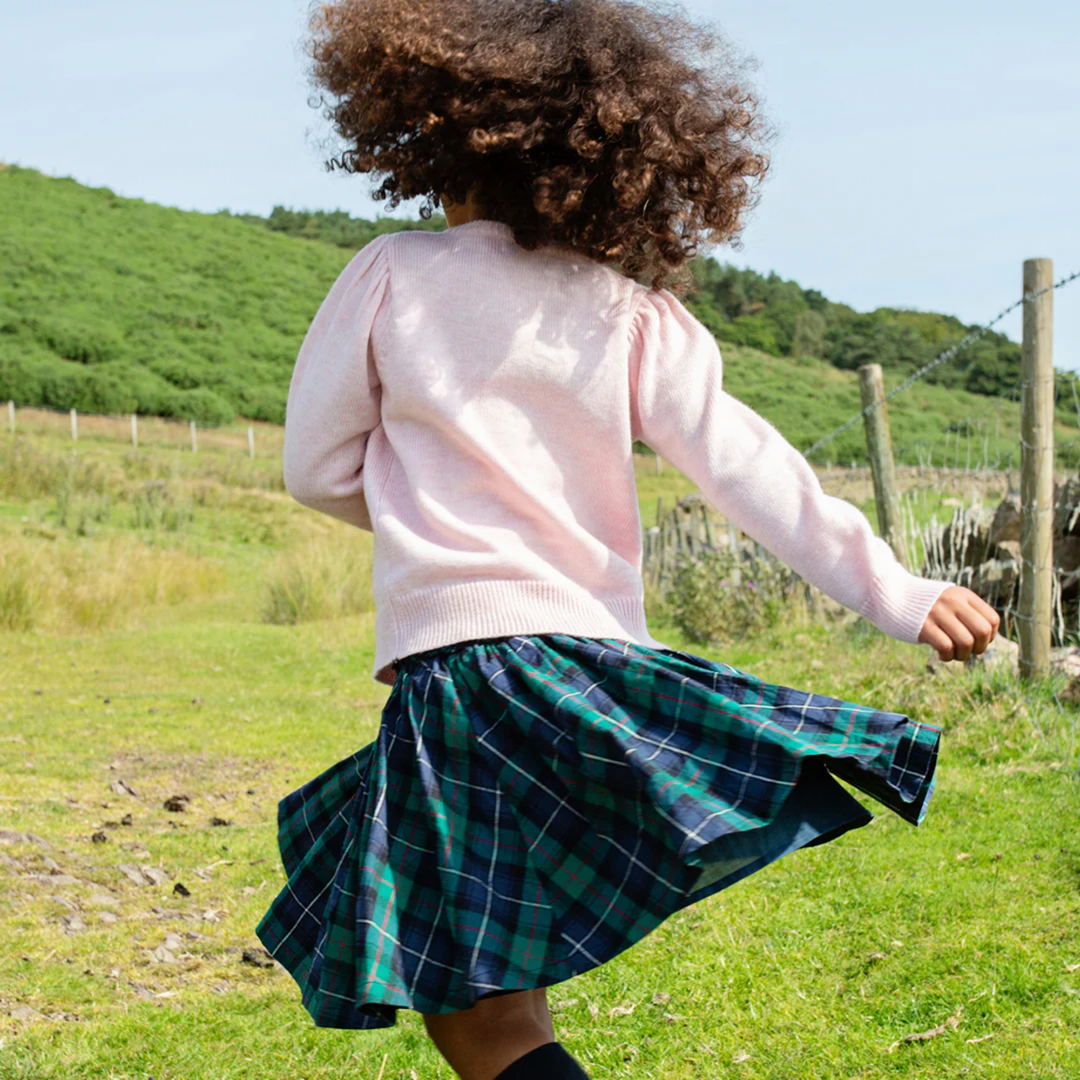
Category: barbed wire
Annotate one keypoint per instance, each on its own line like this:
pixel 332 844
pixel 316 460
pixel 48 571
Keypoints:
pixel 948 354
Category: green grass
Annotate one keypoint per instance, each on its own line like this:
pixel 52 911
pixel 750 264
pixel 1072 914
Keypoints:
pixel 814 967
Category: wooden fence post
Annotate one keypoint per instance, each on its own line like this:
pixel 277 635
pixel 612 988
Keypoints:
pixel 879 447
pixel 11 416
pixel 74 426
pixel 194 440
pixel 659 465
pixel 1036 470
pixel 134 431
pixel 251 442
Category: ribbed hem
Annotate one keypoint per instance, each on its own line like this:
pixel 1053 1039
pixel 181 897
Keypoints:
pixel 468 610
pixel 899 605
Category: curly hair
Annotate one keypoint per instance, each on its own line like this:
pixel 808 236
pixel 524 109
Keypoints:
pixel 578 123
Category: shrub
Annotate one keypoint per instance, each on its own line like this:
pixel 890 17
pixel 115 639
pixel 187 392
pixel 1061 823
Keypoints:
pixel 20 379
pixel 718 596
pixel 81 514
pixel 156 506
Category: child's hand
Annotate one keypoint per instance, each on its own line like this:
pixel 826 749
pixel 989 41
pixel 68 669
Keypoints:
pixel 959 624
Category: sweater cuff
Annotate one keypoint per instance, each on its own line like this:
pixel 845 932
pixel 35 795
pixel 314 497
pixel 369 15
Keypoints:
pixel 899 603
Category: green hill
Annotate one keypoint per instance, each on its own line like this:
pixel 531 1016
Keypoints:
pixel 118 305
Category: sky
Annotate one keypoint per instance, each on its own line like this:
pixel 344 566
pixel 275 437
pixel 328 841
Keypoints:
pixel 924 150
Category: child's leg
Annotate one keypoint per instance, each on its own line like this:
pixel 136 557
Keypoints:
pixel 481 1042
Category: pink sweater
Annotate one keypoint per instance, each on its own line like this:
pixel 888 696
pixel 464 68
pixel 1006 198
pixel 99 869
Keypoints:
pixel 473 405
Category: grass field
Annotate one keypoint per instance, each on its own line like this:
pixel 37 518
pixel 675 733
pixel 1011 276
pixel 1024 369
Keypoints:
pixel 138 665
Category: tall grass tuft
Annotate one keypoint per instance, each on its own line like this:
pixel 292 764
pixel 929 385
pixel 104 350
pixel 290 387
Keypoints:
pixel 19 595
pixel 64 585
pixel 328 578
pixel 27 472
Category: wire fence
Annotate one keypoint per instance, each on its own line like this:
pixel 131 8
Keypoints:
pixel 981 548
pixel 948 354
pixel 989 551
pixel 973 548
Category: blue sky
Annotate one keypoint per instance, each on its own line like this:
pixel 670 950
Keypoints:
pixel 925 149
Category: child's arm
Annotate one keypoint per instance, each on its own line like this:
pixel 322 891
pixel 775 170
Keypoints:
pixel 335 395
pixel 755 477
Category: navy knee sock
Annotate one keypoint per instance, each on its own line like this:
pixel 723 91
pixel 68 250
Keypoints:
pixel 547 1062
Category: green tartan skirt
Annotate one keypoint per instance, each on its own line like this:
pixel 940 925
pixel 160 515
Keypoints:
pixel 533 805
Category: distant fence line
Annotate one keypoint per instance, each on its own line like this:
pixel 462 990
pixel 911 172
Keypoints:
pixel 142 430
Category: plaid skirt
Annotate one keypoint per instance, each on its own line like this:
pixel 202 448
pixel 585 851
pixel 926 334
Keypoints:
pixel 533 805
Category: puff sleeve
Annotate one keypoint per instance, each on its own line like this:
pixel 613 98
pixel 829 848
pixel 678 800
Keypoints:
pixel 754 476
pixel 335 395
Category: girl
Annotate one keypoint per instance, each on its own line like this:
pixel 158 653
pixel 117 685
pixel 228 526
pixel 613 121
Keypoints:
pixel 549 783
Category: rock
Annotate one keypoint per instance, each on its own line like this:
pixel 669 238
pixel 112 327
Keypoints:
pixel 24 1012
pixel 144 875
pixel 1067 508
pixel 1006 521
pixel 1071 693
pixel 1000 653
pixel 965 541
pixel 72 923
pixel 100 838
pixel 108 918
pixel 177 804
pixel 1008 549
pixel 258 958
pixel 180 889
pixel 218 821
pixel 1066 660
pixel 936 666
pixel 995 579
pixel 54 879
pixel 1066 553
pixel 122 787
pixel 133 874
